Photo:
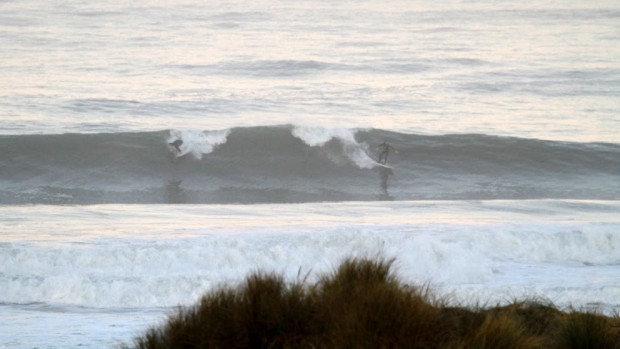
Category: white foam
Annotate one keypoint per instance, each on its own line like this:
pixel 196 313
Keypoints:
pixel 141 256
pixel 313 136
pixel 316 136
pixel 176 268
pixel 198 143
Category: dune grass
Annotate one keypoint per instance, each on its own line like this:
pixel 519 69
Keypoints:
pixel 363 305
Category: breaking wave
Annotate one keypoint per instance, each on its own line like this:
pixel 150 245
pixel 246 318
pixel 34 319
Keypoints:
pixel 299 164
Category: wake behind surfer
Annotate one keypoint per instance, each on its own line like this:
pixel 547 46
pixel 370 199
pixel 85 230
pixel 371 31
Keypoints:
pixel 384 151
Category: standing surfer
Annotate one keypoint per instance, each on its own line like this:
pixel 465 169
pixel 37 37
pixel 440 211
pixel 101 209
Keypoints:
pixel 384 152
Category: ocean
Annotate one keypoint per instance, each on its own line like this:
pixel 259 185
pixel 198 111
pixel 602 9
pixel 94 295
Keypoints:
pixel 502 179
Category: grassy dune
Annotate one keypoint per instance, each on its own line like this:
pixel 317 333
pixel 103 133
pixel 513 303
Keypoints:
pixel 363 305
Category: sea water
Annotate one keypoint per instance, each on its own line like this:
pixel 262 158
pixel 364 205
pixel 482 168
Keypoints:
pixel 93 276
pixel 504 180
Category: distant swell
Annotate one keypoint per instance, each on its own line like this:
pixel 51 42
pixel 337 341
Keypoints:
pixel 293 68
pixel 298 164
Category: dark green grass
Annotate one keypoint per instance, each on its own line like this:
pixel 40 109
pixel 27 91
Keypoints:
pixel 363 305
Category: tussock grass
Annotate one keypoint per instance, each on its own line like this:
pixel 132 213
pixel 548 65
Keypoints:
pixel 363 305
pixel 588 331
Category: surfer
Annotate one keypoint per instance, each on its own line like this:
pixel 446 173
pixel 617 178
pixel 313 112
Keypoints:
pixel 384 152
pixel 176 145
pixel 175 149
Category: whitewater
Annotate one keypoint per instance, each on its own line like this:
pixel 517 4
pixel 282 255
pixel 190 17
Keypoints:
pixel 503 181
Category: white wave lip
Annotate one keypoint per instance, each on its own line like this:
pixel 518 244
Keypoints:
pixel 316 136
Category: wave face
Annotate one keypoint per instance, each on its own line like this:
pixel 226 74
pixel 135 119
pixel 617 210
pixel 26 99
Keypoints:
pixel 287 164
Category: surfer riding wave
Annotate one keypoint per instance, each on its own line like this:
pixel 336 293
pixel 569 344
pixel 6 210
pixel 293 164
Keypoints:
pixel 175 149
pixel 176 145
pixel 385 148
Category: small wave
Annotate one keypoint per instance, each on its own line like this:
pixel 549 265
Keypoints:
pixel 241 17
pixel 267 68
pixel 103 105
pixel 589 82
pixel 293 68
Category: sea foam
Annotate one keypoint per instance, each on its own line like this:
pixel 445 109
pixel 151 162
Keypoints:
pixel 177 267
pixel 354 151
pixel 198 143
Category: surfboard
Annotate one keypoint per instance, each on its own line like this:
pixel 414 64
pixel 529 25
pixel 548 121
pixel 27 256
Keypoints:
pixel 382 165
pixel 174 150
pixel 175 154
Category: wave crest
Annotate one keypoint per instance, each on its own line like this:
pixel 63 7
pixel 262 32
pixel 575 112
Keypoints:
pixel 299 164
pixel 198 143
pixel 315 136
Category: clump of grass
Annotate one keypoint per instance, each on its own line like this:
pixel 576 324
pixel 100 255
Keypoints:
pixel 365 306
pixel 262 312
pixel 588 331
pixel 362 304
pixel 539 316
pixel 500 331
